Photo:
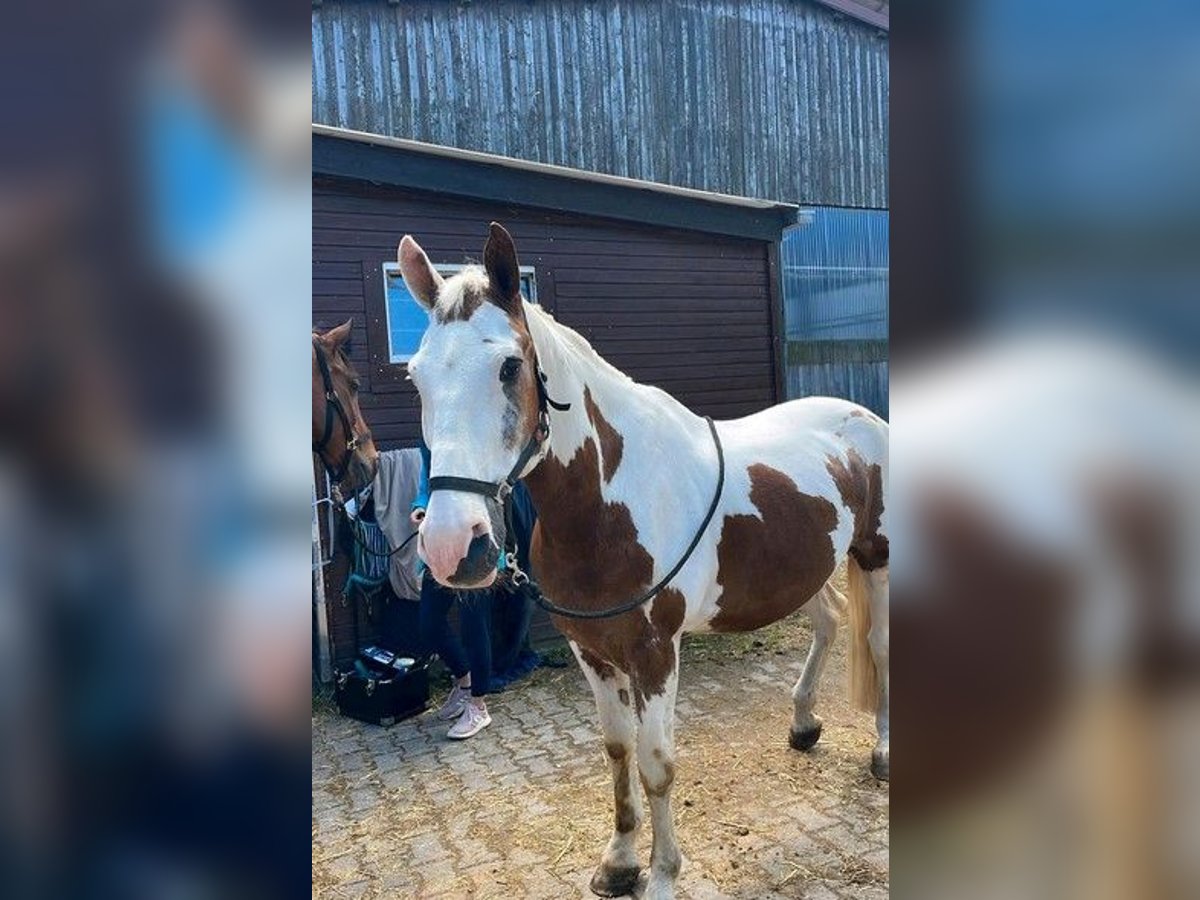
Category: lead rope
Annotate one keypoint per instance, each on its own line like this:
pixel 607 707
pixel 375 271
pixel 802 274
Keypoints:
pixel 522 579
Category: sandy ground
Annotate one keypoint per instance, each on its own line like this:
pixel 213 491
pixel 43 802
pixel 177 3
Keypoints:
pixel 524 809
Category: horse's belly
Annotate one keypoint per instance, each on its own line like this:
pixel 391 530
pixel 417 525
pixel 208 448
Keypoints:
pixel 785 528
pixel 752 597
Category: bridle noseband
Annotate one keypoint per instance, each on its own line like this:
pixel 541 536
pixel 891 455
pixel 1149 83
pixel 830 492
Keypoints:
pixel 333 405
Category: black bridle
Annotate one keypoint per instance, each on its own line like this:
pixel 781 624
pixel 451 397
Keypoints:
pixel 501 492
pixel 333 406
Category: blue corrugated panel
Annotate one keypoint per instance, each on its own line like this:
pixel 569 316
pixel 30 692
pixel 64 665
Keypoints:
pixel 835 276
pixel 835 295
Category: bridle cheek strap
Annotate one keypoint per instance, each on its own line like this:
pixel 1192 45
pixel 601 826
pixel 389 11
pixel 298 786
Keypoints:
pixel 501 491
pixel 498 490
pixel 333 406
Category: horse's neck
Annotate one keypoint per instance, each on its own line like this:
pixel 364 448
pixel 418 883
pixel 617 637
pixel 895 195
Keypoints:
pixel 664 447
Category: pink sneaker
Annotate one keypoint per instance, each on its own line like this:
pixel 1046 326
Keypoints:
pixel 473 720
pixel 455 701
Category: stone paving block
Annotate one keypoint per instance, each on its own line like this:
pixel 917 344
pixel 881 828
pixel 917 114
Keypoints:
pixel 497 764
pixel 344 868
pixel 476 781
pixel 397 780
pixel 584 736
pixel 880 858
pixel 809 818
pixel 817 891
pixel 399 884
pixel 364 800
pixel 538 766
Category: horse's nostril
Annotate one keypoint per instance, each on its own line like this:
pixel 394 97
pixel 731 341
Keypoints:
pixel 481 529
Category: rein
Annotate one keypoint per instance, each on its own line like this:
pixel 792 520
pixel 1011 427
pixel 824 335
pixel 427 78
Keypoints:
pixel 333 406
pixel 501 492
pixel 549 607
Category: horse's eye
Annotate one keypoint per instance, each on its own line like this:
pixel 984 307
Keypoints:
pixel 510 369
pixel 355 384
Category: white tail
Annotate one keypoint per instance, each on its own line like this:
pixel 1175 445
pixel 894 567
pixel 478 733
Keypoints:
pixel 864 678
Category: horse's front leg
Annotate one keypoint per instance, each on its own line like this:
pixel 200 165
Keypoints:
pixel 618 870
pixel 656 760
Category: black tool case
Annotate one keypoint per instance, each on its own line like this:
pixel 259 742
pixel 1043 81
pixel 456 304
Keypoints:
pixel 380 690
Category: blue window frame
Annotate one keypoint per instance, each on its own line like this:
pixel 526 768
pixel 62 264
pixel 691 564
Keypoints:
pixel 407 321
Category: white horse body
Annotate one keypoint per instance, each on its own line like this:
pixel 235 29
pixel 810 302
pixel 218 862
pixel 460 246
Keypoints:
pixel 621 486
pixel 669 488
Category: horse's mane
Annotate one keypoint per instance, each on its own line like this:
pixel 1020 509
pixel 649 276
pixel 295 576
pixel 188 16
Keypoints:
pixel 574 345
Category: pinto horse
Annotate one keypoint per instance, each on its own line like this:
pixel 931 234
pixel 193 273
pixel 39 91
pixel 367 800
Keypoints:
pixel 341 437
pixel 628 483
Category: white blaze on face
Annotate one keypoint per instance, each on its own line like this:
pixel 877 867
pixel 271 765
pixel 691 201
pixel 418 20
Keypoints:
pixel 463 410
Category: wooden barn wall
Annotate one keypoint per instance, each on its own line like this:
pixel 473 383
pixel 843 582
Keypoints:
pixel 688 312
pixel 780 99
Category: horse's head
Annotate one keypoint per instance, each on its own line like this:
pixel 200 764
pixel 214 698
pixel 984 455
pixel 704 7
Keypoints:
pixel 476 372
pixel 340 436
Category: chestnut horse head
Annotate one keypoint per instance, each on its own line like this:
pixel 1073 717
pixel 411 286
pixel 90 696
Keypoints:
pixel 340 435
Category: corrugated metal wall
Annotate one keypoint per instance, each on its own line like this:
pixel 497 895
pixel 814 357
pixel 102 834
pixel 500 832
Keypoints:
pixel 782 99
pixel 835 293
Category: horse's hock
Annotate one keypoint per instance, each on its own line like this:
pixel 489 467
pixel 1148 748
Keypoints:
pixel 520 810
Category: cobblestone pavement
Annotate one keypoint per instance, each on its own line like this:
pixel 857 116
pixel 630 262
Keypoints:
pixel 523 810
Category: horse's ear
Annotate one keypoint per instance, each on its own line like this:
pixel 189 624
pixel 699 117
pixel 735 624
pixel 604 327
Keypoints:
pixel 339 337
pixel 419 274
pixel 500 260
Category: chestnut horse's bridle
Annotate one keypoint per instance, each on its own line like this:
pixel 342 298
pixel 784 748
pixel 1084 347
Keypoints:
pixel 333 406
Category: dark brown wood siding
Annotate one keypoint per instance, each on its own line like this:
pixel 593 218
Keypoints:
pixel 690 312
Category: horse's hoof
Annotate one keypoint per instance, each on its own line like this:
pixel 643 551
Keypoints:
pixel 880 764
pixel 616 882
pixel 805 739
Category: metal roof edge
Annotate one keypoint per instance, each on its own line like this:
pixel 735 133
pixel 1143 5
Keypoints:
pixel 877 18
pixel 471 174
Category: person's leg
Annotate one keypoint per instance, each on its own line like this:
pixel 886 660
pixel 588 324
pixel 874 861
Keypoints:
pixel 475 615
pixel 437 637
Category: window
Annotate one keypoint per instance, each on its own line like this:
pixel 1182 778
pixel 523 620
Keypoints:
pixel 407 320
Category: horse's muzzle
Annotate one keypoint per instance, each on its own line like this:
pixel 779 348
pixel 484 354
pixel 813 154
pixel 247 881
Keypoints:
pixel 361 469
pixel 478 568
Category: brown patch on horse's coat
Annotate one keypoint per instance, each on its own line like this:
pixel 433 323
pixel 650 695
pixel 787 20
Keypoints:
pixel 663 788
pixel 587 556
pixel 612 445
pixel 861 488
pixel 597 665
pixel 771 566
pixel 472 297
pixel 523 397
pixel 986 588
pixel 626 815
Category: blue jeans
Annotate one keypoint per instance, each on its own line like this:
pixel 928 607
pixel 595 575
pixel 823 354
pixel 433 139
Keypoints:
pixel 474 616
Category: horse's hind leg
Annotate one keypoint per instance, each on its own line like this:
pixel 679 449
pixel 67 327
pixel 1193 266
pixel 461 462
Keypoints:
pixel 618 870
pixel 825 610
pixel 878 638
